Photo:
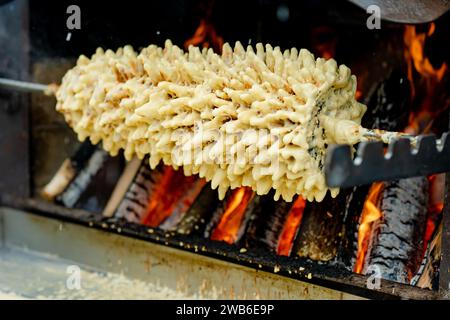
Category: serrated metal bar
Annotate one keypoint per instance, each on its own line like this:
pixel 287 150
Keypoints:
pixel 401 160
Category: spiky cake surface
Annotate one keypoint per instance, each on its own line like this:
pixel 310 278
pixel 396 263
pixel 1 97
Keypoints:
pixel 251 117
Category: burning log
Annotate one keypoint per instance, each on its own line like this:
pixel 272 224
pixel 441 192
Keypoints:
pixel 396 243
pixel 200 213
pixel 67 171
pixel 291 227
pixel 76 182
pixel 397 248
pixel 349 245
pixel 387 108
pixel 229 221
pixel 321 229
pixel 159 197
pixel 184 196
pixel 427 275
pixel 73 192
pixel 94 177
pixel 122 186
pixel 266 223
pixel 387 104
pixel 134 204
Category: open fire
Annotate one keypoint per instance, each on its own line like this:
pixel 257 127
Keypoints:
pixel 230 223
pixel 394 226
pixel 166 199
pixel 172 196
pixel 369 216
pixel 425 82
pixel 290 227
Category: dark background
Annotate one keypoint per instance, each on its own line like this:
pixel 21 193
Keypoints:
pixel 111 24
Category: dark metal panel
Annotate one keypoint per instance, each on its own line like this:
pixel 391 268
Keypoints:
pixel 429 156
pixel 14 134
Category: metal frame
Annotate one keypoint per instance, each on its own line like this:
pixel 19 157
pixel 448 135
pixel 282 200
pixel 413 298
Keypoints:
pixel 155 268
pixel 332 276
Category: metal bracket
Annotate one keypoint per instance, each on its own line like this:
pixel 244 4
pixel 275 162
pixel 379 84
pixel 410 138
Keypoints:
pixel 429 156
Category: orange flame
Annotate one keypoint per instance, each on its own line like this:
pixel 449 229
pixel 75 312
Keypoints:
pixel 173 192
pixel 431 226
pixel 414 54
pixel 293 221
pixel 206 36
pixel 420 122
pixel 369 215
pixel 228 227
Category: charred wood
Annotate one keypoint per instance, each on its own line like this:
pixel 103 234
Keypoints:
pixel 428 274
pixel 134 205
pixel 398 239
pixel 349 243
pixel 219 212
pixel 387 108
pixel 159 197
pixel 388 103
pixel 91 170
pixel 266 223
pixel 184 194
pixel 100 186
pixel 68 171
pixel 121 187
pixel 321 229
pixel 200 213
pixel 72 194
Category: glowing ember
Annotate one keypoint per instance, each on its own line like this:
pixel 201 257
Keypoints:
pixel 369 215
pixel 228 227
pixel 173 194
pixel 290 227
pixel 206 36
pixel 358 94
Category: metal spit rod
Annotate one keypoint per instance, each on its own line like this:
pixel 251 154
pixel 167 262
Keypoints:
pixel 24 86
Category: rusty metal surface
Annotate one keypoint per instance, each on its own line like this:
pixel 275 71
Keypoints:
pixel 14 145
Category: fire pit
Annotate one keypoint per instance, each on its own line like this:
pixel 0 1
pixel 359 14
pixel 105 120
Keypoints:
pixel 385 239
